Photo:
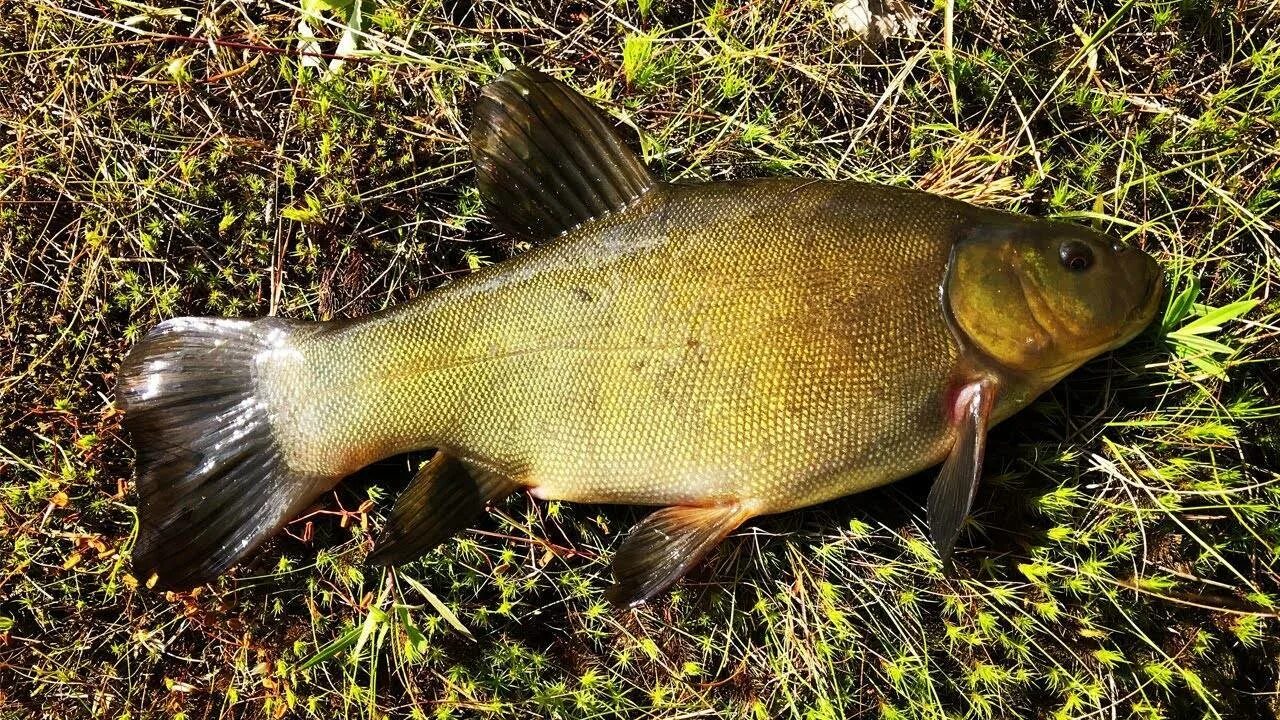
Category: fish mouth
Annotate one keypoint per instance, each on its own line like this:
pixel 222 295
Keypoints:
pixel 1143 313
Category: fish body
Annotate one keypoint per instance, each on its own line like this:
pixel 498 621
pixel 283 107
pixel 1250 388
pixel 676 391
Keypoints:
pixel 723 350
pixel 772 342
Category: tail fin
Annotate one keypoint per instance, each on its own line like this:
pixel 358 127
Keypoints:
pixel 212 480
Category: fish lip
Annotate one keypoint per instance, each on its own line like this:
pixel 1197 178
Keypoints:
pixel 1146 310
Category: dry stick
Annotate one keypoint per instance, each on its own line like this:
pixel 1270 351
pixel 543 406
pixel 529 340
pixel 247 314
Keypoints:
pixel 396 45
pixel 258 48
pixel 214 41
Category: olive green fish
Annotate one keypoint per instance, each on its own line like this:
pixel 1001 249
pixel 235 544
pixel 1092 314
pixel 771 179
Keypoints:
pixel 721 350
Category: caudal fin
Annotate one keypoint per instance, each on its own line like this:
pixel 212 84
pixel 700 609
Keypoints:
pixel 213 481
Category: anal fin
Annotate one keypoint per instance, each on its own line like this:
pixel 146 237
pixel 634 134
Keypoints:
pixel 445 496
pixel 665 545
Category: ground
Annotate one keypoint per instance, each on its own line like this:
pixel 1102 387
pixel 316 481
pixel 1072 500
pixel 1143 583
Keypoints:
pixel 204 158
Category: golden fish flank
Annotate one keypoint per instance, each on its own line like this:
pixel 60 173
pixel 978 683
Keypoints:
pixel 723 350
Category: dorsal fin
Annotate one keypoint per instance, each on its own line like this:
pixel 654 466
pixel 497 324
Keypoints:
pixel 547 160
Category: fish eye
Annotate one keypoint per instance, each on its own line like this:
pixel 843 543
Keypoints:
pixel 1076 256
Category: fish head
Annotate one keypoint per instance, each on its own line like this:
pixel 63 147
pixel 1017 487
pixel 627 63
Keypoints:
pixel 1041 297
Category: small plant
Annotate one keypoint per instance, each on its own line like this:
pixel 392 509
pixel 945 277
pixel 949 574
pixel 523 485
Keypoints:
pixel 1188 327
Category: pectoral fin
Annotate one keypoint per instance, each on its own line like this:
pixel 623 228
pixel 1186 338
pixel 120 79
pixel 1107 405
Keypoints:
pixel 445 496
pixel 664 546
pixel 953 491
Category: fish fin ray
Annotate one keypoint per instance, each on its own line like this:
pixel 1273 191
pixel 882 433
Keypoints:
pixel 952 493
pixel 444 496
pixel 212 481
pixel 664 546
pixel 547 161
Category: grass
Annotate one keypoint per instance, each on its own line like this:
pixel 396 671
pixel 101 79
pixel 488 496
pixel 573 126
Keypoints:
pixel 1123 559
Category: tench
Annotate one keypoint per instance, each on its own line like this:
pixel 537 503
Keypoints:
pixel 720 350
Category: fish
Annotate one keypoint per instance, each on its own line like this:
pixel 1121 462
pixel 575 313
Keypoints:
pixel 720 351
